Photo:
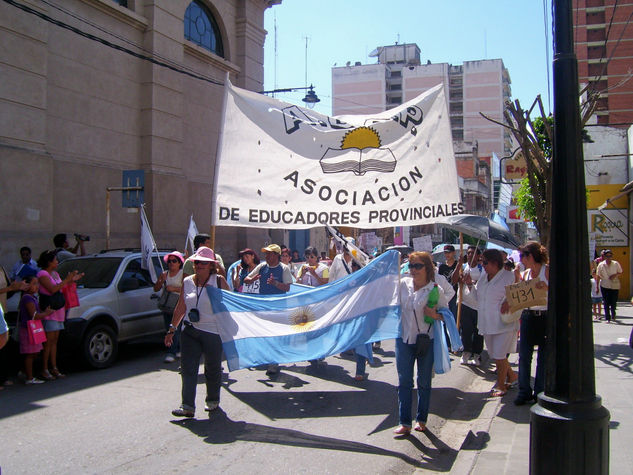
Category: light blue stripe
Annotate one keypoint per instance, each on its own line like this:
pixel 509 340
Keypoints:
pixel 376 325
pixel 224 301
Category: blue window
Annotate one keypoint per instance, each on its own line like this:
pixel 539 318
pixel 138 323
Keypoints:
pixel 202 29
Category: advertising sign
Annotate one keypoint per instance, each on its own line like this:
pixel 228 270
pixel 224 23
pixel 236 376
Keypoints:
pixel 609 226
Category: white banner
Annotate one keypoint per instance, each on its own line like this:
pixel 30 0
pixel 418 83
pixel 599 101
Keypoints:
pixel 282 166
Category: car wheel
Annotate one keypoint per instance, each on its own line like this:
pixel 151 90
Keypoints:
pixel 100 346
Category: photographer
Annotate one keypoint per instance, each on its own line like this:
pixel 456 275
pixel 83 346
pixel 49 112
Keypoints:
pixel 64 251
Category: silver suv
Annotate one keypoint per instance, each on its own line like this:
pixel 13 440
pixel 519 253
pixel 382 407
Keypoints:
pixel 116 303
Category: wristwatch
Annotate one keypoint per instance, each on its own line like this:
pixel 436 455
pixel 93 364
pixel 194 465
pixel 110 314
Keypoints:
pixel 172 329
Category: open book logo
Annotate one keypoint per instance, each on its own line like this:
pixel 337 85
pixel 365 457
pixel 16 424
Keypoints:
pixel 360 152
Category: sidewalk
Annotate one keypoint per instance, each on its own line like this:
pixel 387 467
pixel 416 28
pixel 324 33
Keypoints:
pixel 499 441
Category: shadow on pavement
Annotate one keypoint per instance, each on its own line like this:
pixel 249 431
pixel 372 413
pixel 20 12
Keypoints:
pixel 134 359
pixel 219 429
pixel 618 355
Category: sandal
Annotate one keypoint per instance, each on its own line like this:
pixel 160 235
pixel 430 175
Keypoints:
pixel 58 374
pixel 402 430
pixel 420 427
pixel 496 392
pixel 47 376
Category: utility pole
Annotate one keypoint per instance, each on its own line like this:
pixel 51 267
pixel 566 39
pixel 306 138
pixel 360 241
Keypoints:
pixel 569 428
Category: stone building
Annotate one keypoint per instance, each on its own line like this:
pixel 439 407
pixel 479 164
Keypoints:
pixel 76 111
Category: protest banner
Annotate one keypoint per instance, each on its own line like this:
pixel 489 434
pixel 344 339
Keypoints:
pixel 525 294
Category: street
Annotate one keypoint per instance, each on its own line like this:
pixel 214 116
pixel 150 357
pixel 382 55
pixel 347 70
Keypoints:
pixel 304 420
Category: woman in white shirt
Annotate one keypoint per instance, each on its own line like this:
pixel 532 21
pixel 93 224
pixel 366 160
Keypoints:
pixel 500 337
pixel 414 294
pixel 199 334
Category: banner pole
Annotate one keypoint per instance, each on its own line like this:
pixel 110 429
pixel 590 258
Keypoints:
pixel 218 156
pixel 461 284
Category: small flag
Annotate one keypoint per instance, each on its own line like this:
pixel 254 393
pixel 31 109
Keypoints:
pixel 359 256
pixel 192 231
pixel 147 246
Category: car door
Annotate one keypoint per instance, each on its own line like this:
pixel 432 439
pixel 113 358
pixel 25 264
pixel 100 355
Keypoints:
pixel 138 312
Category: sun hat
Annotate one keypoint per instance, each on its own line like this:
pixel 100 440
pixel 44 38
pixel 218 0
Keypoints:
pixel 176 254
pixel 204 254
pixel 272 248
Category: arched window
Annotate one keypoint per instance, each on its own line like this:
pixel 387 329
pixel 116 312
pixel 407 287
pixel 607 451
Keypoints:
pixel 202 29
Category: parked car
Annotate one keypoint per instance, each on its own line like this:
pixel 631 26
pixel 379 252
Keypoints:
pixel 116 304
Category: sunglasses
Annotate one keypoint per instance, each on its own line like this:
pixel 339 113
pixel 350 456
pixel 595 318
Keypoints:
pixel 308 256
pixel 172 261
pixel 201 263
pixel 416 266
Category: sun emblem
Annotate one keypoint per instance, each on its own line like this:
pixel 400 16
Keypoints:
pixel 302 319
pixel 361 138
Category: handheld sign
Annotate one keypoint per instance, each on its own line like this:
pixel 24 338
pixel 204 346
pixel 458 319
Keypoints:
pixel 524 294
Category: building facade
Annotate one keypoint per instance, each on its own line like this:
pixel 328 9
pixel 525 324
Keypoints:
pixel 603 35
pixel 76 112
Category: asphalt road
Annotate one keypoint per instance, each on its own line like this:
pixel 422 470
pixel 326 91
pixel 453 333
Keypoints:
pixel 304 420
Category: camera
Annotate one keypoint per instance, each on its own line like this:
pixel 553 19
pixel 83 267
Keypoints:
pixel 194 315
pixel 82 237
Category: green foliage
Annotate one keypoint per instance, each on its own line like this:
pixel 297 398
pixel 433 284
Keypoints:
pixel 525 200
pixel 541 135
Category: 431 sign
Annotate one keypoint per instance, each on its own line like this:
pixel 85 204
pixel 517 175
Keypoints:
pixel 525 294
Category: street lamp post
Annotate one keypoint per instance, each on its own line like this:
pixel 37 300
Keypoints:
pixel 310 98
pixel 569 428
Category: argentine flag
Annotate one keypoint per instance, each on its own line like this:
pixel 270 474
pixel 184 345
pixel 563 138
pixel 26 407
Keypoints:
pixel 361 308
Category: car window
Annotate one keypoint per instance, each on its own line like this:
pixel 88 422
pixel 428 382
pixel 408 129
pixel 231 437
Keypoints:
pixel 134 271
pixel 157 261
pixel 98 271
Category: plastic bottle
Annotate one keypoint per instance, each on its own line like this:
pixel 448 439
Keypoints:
pixel 431 302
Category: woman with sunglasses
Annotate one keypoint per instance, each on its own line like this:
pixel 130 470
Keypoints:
pixel 313 272
pixel 172 280
pixel 199 334
pixel 533 325
pixel 414 294
pixel 500 337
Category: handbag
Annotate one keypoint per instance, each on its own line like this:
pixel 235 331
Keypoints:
pixel 511 317
pixel 70 295
pixel 36 332
pixel 422 340
pixel 55 301
pixel 167 301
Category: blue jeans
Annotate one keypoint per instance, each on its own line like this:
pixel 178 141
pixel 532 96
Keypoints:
pixel 361 364
pixel 175 345
pixel 533 329
pixel 405 360
pixel 194 343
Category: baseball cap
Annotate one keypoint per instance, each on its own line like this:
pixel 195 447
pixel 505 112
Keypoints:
pixel 449 247
pixel 272 248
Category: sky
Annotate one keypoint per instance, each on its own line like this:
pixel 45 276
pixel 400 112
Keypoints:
pixel 447 31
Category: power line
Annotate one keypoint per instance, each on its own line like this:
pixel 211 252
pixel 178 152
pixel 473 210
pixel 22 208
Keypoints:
pixel 158 62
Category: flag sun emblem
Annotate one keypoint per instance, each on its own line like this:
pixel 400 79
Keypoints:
pixel 302 319
pixel 361 138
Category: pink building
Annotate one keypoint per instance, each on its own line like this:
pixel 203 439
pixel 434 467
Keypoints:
pixel 473 87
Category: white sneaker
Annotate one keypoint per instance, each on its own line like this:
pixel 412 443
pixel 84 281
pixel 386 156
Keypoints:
pixel 465 357
pixel 169 358
pixel 178 355
pixel 475 360
pixel 211 406
pixel 33 381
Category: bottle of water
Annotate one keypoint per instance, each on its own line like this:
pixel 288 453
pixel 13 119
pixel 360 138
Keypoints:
pixel 434 297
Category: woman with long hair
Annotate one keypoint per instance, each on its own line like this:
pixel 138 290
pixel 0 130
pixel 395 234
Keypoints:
pixel 248 261
pixel 51 283
pixel 533 324
pixel 199 334
pixel 414 295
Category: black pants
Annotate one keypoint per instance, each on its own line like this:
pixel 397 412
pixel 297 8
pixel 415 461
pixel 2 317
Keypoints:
pixel 471 339
pixel 610 299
